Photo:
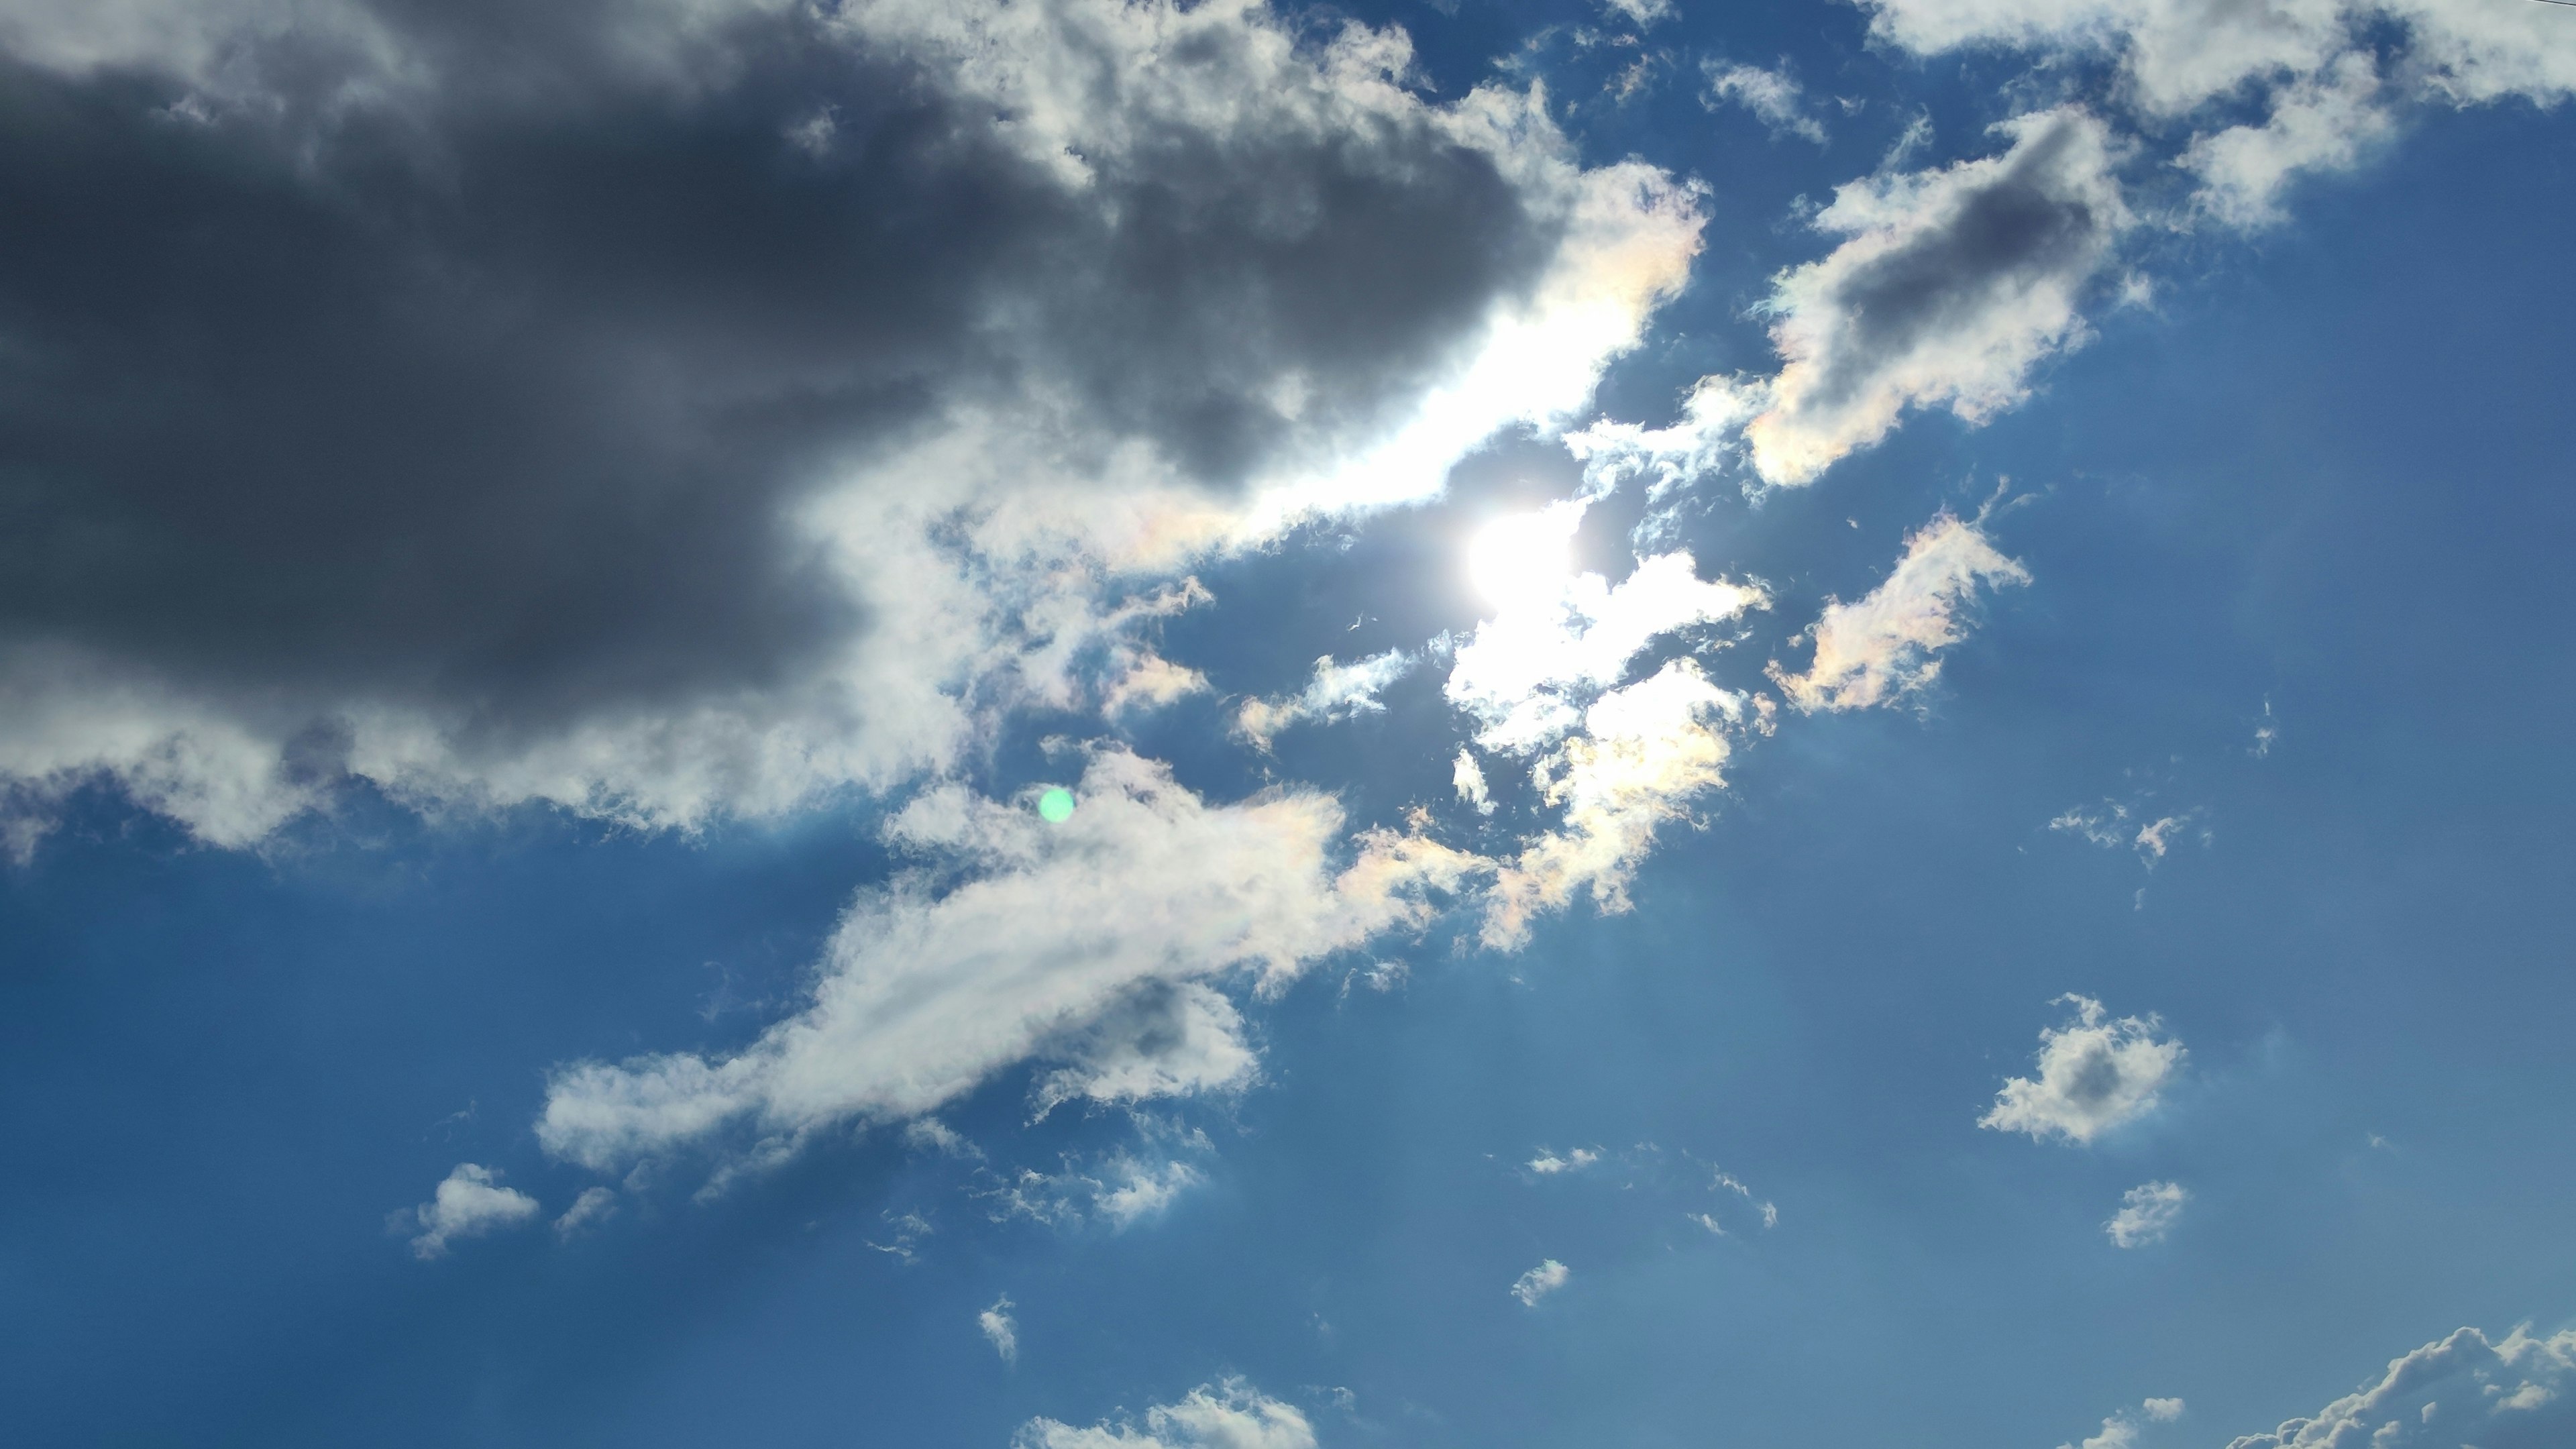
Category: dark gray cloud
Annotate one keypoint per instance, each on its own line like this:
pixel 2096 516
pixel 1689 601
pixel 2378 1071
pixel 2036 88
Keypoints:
pixel 479 366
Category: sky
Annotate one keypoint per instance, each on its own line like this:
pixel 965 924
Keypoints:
pixel 1100 724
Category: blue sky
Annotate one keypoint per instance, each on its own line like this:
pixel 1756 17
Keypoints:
pixel 552 561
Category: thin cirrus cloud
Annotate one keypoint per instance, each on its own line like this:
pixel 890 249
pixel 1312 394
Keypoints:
pixel 2501 1393
pixel 1230 1414
pixel 469 1204
pixel 542 496
pixel 2096 1072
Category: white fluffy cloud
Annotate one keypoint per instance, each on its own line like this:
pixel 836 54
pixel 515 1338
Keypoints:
pixel 1227 1415
pixel 1089 942
pixel 469 1204
pixel 1540 1281
pixel 1881 648
pixel 2147 1212
pixel 2095 1073
pixel 2508 1393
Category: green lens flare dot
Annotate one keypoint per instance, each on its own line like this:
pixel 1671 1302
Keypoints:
pixel 1056 806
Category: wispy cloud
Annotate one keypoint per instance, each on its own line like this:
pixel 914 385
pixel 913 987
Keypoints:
pixel 1336 692
pixel 1883 646
pixel 1771 95
pixel 1549 1276
pixel 1000 1329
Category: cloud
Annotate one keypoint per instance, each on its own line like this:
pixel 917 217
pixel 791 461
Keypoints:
pixel 1643 754
pixel 469 1204
pixel 2328 78
pixel 595 1205
pixel 1121 1189
pixel 1880 649
pixel 1000 1329
pixel 1090 942
pixel 1227 1415
pixel 1525 673
pixel 1952 286
pixel 2095 1073
pixel 1548 1163
pixel 705 414
pixel 2120 1431
pixel 2109 826
pixel 1468 779
pixel 1540 1281
pixel 2147 1212
pixel 1771 95
pixel 1337 692
pixel 2508 1393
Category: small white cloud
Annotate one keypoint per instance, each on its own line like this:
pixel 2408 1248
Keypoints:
pixel 934 1135
pixel 1469 779
pixel 595 1205
pixel 1548 1163
pixel 908 1229
pixel 1122 1190
pixel 1000 1329
pixel 1882 648
pixel 1150 682
pixel 2094 1074
pixel 2117 1433
pixel 1771 95
pixel 470 1203
pixel 1227 1415
pixel 1336 692
pixel 2147 1212
pixel 1642 12
pixel 2163 1411
pixel 1540 1281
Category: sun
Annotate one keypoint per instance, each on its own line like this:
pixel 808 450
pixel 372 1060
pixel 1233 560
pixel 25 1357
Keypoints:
pixel 1525 558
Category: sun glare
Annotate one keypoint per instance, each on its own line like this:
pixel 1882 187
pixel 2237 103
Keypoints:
pixel 1524 558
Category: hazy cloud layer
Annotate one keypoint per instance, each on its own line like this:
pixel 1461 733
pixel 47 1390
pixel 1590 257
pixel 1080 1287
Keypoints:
pixel 1227 1415
pixel 1882 647
pixel 667 410
pixel 2508 1393
pixel 2095 1073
